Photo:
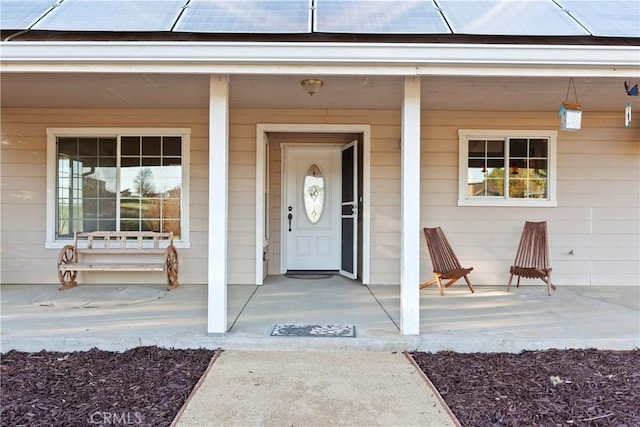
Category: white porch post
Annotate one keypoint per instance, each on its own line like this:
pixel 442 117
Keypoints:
pixel 218 203
pixel 410 210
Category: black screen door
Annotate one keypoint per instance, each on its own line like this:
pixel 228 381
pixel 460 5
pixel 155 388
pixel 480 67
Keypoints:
pixel 349 211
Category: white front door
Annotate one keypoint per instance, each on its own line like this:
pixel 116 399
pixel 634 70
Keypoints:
pixel 312 208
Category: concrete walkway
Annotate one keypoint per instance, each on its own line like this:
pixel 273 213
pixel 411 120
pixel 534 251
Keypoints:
pixel 309 388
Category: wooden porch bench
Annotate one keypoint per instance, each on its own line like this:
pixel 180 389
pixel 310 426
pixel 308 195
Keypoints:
pixel 127 244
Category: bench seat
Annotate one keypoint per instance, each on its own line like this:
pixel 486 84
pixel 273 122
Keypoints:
pixel 98 266
pixel 127 244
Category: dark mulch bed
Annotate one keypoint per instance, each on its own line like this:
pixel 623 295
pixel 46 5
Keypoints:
pixel 538 388
pixel 145 386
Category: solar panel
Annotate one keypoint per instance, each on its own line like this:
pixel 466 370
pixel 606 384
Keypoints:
pixel 246 16
pixel 611 18
pixel 379 17
pixel 112 15
pixel 509 18
pixel 22 14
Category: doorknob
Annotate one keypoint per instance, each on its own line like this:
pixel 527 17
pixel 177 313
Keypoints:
pixel 290 217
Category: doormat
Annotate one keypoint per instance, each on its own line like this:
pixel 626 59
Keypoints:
pixel 309 274
pixel 285 330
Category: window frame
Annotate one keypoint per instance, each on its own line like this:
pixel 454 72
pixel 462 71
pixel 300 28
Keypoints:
pixel 465 135
pixel 51 208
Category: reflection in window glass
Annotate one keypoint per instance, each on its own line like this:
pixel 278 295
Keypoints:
pixel 149 190
pixel 528 175
pixel 86 182
pixel 313 193
pixel 517 167
pixel 485 174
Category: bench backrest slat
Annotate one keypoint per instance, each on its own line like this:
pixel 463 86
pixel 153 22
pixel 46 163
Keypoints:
pixel 119 241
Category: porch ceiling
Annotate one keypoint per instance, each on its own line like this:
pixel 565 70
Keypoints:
pixel 97 90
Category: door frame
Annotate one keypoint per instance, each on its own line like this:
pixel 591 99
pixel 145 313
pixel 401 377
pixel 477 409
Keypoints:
pixel 262 242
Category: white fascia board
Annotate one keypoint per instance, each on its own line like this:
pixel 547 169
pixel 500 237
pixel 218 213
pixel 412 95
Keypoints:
pixel 325 58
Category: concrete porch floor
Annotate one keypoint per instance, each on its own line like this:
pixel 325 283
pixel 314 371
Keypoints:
pixel 490 320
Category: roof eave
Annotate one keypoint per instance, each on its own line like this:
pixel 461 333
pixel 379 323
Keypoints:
pixel 320 57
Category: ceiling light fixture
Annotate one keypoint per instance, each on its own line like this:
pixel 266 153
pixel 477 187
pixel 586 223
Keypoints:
pixel 311 86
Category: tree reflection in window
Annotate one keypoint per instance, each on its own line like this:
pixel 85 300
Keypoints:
pixel 525 164
pixel 148 190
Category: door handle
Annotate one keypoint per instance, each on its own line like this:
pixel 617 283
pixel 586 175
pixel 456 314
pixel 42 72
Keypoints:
pixel 350 209
pixel 290 217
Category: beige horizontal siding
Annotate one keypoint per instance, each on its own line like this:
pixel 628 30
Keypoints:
pixel 23 184
pixel 597 215
pixel 598 193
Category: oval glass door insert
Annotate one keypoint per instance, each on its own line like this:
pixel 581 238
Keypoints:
pixel 313 193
